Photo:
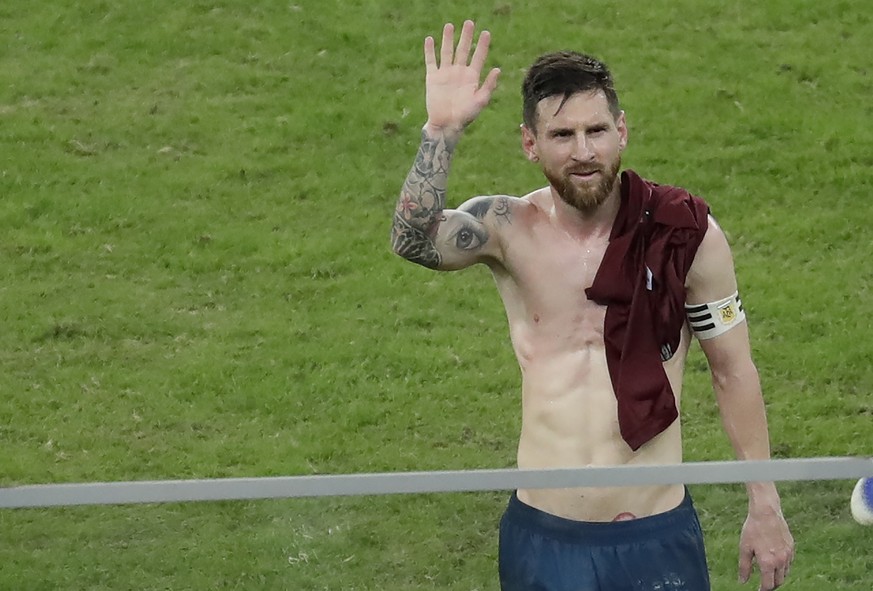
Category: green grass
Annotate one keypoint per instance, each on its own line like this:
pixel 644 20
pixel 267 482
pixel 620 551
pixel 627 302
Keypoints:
pixel 196 281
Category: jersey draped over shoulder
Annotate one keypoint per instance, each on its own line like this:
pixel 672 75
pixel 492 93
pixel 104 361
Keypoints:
pixel 641 281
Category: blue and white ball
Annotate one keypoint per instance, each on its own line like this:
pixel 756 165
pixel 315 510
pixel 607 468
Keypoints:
pixel 862 501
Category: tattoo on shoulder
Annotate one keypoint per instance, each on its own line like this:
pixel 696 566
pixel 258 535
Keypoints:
pixel 479 208
pixel 502 210
pixel 498 205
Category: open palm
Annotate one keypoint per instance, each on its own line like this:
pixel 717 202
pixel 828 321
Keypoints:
pixel 454 96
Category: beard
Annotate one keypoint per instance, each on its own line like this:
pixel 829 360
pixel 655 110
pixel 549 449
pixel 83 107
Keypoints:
pixel 589 196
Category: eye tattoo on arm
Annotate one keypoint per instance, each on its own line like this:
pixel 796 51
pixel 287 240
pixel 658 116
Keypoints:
pixel 470 237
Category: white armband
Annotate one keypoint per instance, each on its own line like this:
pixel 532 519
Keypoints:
pixel 710 320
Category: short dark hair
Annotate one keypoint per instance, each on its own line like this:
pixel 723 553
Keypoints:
pixel 565 73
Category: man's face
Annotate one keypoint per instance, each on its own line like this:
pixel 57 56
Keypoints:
pixel 579 147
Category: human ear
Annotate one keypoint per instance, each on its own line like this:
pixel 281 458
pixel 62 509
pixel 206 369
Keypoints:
pixel 621 125
pixel 529 143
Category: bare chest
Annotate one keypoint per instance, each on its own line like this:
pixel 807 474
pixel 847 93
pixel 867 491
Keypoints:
pixel 544 289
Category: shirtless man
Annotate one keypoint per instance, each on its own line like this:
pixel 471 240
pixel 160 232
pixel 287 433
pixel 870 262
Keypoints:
pixel 544 251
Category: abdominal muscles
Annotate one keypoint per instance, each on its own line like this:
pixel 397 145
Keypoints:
pixel 569 420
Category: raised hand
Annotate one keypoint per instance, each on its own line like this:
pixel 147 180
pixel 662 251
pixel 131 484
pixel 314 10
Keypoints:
pixel 454 96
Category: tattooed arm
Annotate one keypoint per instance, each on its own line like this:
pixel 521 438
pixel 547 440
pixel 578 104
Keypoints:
pixel 425 232
pixel 420 207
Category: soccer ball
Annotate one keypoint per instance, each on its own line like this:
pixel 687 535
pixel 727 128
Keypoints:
pixel 862 501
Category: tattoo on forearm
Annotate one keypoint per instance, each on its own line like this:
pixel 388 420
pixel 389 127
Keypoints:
pixel 422 200
pixel 413 244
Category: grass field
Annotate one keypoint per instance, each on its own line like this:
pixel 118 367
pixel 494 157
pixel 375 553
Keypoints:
pixel 196 279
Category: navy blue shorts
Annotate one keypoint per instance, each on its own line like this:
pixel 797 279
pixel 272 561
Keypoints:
pixel 543 552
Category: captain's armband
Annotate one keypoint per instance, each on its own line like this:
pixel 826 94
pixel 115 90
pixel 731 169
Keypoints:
pixel 710 320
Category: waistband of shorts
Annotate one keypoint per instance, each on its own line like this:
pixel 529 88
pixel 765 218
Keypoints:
pixel 602 533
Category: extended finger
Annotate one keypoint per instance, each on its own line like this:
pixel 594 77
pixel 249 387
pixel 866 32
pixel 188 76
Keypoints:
pixel 448 45
pixel 478 61
pixel 429 54
pixel 462 53
pixel 485 92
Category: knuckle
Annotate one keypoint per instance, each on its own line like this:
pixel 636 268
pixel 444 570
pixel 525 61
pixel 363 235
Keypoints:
pixel 768 563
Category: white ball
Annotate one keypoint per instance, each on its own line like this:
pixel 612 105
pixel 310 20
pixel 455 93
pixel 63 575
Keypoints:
pixel 862 501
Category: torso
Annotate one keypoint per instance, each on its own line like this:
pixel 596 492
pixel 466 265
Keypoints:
pixel 569 416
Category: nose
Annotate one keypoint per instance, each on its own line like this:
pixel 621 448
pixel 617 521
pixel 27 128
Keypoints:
pixel 582 149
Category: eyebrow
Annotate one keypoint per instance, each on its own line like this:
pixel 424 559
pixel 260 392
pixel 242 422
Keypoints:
pixel 595 126
pixel 562 129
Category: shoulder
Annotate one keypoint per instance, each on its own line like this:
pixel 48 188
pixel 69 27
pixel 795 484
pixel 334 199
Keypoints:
pixel 481 205
pixel 484 205
pixel 677 201
pixel 714 244
pixel 496 209
pixel 712 273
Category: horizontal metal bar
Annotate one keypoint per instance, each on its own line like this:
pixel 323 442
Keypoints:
pixel 226 489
